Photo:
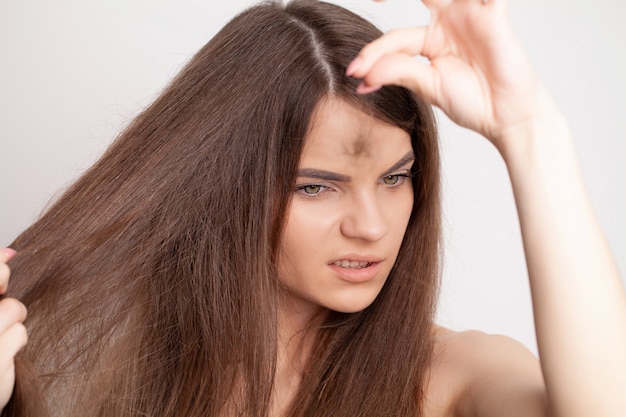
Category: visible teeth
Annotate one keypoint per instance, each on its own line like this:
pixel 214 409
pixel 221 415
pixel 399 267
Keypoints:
pixel 344 263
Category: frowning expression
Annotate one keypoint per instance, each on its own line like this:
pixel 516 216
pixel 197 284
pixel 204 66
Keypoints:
pixel 351 205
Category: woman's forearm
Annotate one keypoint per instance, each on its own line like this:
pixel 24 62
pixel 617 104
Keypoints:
pixel 578 298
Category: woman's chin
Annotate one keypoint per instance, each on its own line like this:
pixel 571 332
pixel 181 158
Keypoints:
pixel 351 306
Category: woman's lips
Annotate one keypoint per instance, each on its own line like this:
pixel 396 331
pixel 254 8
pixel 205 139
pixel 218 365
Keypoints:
pixel 362 271
pixel 351 264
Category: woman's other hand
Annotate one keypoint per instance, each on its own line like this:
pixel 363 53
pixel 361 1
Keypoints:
pixel 12 331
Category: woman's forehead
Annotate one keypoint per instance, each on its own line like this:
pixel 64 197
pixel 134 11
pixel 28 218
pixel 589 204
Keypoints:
pixel 341 130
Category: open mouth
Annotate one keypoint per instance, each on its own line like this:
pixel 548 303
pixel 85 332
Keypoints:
pixel 351 264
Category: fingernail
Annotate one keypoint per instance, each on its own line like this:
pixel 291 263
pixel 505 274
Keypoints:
pixel 363 88
pixel 354 65
pixel 8 253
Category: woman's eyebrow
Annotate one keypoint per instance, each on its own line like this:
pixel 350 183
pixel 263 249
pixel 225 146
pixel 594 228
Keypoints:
pixel 409 157
pixel 321 174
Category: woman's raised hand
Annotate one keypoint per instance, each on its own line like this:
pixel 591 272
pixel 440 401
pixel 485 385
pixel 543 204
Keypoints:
pixel 12 332
pixel 477 73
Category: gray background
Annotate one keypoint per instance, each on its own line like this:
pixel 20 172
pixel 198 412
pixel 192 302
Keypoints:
pixel 74 73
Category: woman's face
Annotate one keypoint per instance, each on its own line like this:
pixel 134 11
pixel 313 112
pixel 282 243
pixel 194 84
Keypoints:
pixel 349 212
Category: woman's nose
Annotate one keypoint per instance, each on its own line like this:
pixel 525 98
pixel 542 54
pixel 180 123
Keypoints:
pixel 364 219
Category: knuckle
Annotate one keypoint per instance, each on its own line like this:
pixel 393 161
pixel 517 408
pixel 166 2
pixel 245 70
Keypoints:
pixel 5 272
pixel 21 334
pixel 13 309
pixel 14 339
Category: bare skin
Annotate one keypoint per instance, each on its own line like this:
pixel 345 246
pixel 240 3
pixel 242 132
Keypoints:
pixel 12 331
pixel 475 374
pixel 352 201
pixel 480 77
pixel 471 371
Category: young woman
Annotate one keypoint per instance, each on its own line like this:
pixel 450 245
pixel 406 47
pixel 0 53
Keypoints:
pixel 264 238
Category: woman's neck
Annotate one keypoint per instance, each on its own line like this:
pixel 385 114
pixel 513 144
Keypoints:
pixel 297 332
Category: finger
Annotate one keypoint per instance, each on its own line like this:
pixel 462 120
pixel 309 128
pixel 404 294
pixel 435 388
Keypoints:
pixel 409 41
pixel 405 71
pixel 5 273
pixel 13 339
pixel 11 312
pixel 6 254
pixel 11 342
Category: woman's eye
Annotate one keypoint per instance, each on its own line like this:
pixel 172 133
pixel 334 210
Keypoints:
pixel 311 189
pixel 395 180
pixel 392 179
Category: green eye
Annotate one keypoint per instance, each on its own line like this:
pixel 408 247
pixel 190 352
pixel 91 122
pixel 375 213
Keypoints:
pixel 391 179
pixel 312 189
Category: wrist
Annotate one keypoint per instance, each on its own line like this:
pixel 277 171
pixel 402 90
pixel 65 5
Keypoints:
pixel 545 135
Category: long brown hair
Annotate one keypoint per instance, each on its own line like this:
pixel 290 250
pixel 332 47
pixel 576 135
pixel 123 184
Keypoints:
pixel 151 283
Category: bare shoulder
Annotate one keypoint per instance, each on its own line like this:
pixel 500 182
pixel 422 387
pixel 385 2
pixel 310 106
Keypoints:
pixel 479 375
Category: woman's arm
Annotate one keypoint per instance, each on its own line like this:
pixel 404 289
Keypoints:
pixel 578 299
pixel 479 75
